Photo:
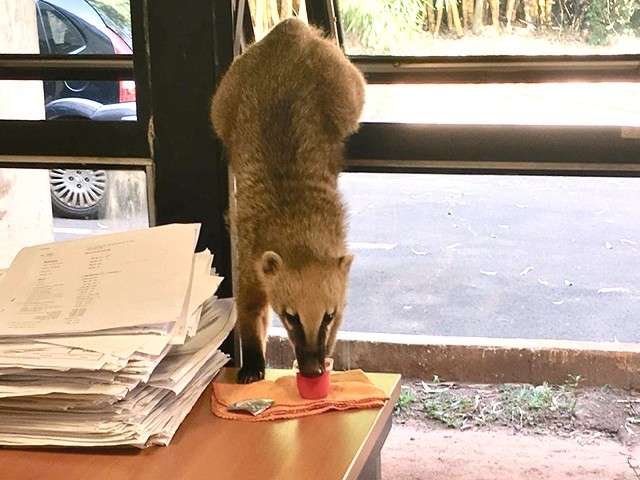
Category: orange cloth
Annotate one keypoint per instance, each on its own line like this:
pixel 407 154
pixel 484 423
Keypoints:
pixel 349 390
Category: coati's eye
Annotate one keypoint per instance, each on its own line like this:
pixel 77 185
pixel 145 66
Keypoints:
pixel 292 318
pixel 328 317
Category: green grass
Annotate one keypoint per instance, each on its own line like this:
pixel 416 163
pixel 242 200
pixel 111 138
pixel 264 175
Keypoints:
pixel 406 398
pixel 449 409
pixel 528 405
pixel 517 406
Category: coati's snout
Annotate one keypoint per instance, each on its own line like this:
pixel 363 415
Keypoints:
pixel 309 299
pixel 310 363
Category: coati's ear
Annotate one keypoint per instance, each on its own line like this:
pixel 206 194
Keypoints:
pixel 344 263
pixel 271 263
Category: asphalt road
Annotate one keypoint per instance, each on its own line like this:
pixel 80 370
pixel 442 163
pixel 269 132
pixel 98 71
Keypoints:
pixel 489 256
pixel 495 256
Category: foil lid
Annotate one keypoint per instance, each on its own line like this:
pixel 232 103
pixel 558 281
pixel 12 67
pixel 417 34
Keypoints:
pixel 255 406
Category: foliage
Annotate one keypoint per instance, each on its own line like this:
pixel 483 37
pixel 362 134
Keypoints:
pixel 383 24
pixel 605 18
pixel 450 409
pixel 406 398
pixel 116 14
pixel 514 405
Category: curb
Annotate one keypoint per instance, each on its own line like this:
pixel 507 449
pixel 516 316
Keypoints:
pixel 477 360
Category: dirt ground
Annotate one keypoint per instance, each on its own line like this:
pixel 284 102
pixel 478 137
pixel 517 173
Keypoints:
pixel 416 452
pixel 488 432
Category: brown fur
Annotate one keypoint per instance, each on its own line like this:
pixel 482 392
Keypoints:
pixel 283 110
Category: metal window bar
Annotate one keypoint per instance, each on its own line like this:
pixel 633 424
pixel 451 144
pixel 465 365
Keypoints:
pixel 497 149
pixel 85 67
pixel 499 69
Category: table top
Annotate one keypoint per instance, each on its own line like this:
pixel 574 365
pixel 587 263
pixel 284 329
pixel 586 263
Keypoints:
pixel 330 445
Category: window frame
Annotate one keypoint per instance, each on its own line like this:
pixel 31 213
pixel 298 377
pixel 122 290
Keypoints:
pixel 92 139
pixel 473 148
pixel 172 140
pixel 63 18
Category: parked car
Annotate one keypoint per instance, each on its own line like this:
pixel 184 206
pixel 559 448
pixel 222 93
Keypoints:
pixel 83 27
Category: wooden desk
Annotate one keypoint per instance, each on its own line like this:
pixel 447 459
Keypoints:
pixel 335 445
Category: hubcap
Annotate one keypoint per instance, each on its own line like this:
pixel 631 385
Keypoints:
pixel 79 189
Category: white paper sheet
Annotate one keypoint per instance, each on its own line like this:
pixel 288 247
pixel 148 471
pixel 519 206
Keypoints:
pixel 76 286
pixel 108 380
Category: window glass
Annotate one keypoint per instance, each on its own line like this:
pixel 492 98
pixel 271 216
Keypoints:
pixel 98 100
pixel 116 14
pixel 266 14
pixel 65 27
pixel 61 35
pixel 494 256
pixel 578 104
pixel 40 206
pixel 490 27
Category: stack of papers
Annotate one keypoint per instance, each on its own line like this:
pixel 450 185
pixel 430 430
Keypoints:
pixel 109 340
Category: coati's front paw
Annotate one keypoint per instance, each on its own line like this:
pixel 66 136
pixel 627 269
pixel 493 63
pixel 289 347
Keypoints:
pixel 250 373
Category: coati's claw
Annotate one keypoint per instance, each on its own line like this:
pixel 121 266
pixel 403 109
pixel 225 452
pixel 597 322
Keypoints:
pixel 249 374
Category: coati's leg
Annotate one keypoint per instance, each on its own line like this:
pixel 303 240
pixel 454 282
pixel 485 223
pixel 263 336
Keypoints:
pixel 253 321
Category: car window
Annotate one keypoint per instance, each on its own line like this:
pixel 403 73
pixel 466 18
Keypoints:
pixel 63 37
pixel 116 15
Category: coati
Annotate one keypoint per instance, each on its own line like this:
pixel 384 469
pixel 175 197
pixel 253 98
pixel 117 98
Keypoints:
pixel 283 111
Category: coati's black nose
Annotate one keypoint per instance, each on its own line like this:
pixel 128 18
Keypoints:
pixel 310 367
pixel 312 372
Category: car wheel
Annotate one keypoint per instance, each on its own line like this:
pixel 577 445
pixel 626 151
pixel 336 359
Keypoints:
pixel 77 193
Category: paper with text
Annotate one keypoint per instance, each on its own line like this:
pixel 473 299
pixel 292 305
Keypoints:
pixel 91 284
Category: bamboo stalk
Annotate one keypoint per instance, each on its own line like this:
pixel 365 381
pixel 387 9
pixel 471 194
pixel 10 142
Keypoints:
pixel 549 7
pixel 275 14
pixel 542 12
pixel 531 12
pixel 510 13
pixel 439 11
pixel 302 12
pixel 252 10
pixel 261 17
pixel 467 13
pixel 495 13
pixel 452 6
pixel 286 8
pixel 478 15
pixel 431 17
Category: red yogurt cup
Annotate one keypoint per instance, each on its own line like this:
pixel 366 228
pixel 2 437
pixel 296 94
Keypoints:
pixel 314 388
